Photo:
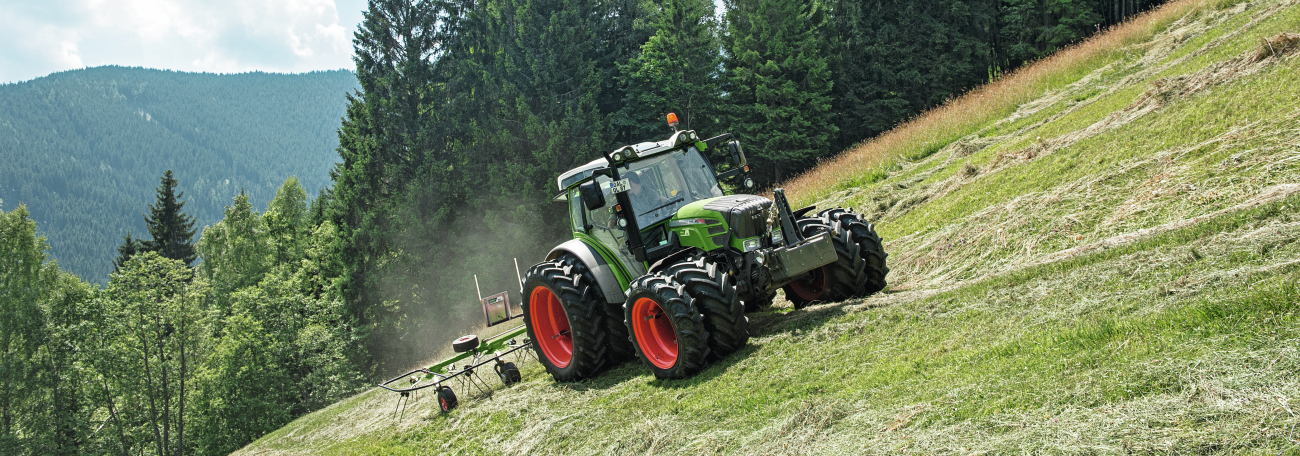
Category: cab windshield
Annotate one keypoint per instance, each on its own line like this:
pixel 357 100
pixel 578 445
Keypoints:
pixel 663 184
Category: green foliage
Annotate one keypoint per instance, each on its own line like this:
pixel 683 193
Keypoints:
pixel 83 148
pixel 898 58
pixel 676 71
pixel 779 84
pixel 243 389
pixel 25 281
pixel 155 330
pixel 130 246
pixel 1031 29
pixel 236 252
pixel 286 220
pixel 44 402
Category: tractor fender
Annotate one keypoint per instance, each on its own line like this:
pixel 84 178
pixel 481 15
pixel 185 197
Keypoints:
pixel 672 259
pixel 596 264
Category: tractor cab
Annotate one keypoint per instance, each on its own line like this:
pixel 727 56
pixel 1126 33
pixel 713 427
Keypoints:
pixel 656 179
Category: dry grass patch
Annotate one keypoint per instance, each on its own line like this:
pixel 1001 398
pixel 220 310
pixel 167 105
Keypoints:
pixel 938 127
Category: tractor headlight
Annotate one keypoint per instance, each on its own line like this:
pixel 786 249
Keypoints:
pixel 622 222
pixel 752 244
pixel 777 237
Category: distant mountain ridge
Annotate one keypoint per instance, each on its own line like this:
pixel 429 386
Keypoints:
pixel 84 149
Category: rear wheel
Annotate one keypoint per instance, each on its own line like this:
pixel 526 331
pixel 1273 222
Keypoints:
pixel 666 327
pixel 565 319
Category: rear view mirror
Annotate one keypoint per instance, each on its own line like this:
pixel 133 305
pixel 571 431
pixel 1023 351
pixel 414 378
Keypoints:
pixel 737 154
pixel 591 196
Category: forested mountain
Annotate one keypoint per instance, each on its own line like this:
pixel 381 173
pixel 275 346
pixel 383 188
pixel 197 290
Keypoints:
pixel 84 148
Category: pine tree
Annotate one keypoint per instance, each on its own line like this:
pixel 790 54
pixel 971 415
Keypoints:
pixel 778 85
pixel 1031 29
pixel 171 228
pixel 130 246
pixel 393 153
pixel 676 71
pixel 898 58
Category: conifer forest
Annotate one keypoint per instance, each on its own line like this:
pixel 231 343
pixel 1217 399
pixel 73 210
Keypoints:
pixel 200 331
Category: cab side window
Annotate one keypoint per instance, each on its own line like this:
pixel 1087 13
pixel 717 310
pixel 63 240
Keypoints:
pixel 575 211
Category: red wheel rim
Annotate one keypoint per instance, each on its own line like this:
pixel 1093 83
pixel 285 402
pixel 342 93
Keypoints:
pixel 551 326
pixel 654 333
pixel 443 403
pixel 811 289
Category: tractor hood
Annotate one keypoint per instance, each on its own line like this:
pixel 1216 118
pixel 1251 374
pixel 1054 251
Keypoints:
pixel 746 216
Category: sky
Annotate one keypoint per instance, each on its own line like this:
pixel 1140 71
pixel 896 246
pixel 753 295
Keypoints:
pixel 39 37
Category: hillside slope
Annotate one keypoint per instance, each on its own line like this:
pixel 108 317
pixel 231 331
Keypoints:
pixel 84 149
pixel 1106 264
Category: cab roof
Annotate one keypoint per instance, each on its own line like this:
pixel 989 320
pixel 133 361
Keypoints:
pixel 645 149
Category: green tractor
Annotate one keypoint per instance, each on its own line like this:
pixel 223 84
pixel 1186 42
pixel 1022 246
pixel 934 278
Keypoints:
pixel 664 265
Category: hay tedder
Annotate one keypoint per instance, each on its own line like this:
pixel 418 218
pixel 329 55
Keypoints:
pixel 472 355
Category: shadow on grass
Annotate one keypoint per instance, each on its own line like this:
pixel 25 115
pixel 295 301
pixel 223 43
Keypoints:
pixel 761 324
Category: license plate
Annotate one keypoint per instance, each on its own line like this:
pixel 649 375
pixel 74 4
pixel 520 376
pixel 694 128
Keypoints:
pixel 620 186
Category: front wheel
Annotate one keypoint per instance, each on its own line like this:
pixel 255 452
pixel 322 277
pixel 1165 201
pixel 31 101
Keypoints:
pixel 859 268
pixel 666 328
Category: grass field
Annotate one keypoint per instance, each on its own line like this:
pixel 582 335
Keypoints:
pixel 1097 254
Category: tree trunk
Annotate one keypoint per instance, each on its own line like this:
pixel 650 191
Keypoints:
pixel 149 391
pixel 112 413
pixel 180 414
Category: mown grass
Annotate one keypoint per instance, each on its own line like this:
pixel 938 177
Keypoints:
pixel 1032 350
pixel 1131 290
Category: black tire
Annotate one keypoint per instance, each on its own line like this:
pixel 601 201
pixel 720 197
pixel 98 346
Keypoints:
pixel 509 373
pixel 446 399
pixel 581 324
pixel 859 268
pixel 814 286
pixel 619 349
pixel 666 298
pixel 860 243
pixel 759 303
pixel 714 292
pixel 465 343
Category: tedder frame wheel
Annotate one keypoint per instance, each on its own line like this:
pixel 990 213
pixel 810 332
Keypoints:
pixel 508 373
pixel 666 326
pixel 564 317
pixel 465 343
pixel 446 399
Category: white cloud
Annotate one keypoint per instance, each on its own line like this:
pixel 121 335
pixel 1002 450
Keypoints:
pixel 188 35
